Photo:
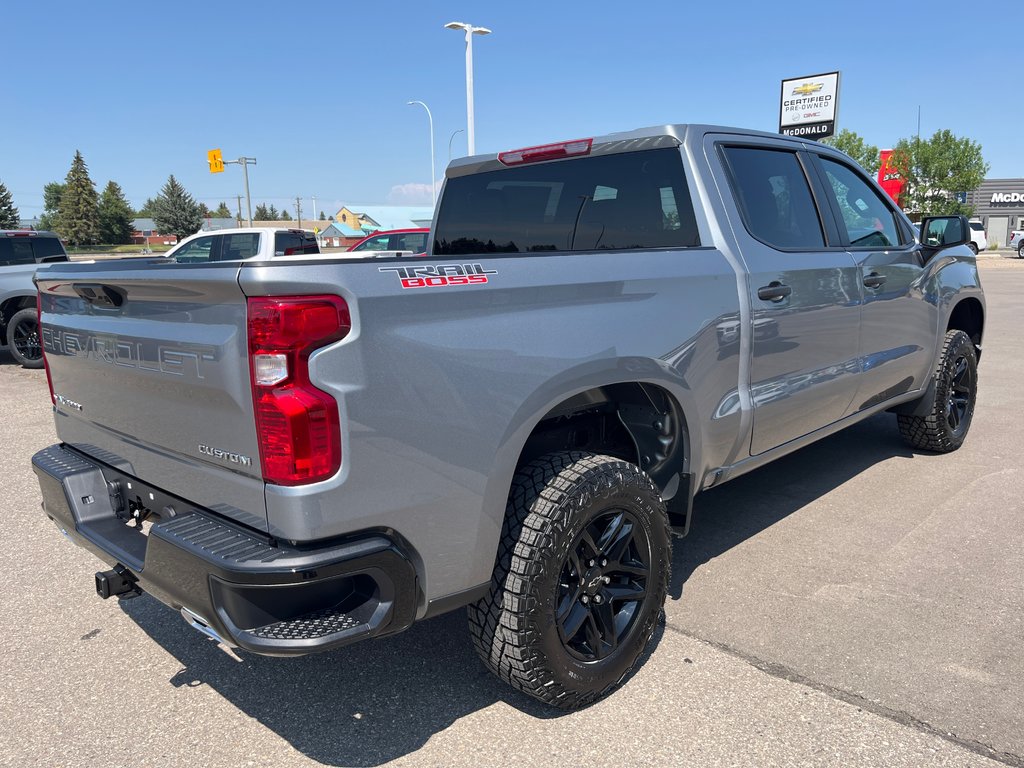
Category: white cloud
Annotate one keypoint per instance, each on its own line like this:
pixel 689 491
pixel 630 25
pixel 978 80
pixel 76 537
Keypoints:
pixel 413 193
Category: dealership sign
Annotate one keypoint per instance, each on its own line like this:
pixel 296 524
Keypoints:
pixel 808 106
pixel 1007 197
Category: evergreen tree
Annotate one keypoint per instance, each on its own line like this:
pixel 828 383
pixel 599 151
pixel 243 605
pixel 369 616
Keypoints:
pixel 285 216
pixel 9 217
pixel 322 217
pixel 78 222
pixel 175 212
pixel 146 211
pixel 223 212
pixel 261 213
pixel 52 194
pixel 115 216
pixel 272 212
pixel 204 211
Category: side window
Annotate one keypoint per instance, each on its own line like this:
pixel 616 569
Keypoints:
pixel 869 221
pixel 621 201
pixel 48 249
pixel 375 244
pixel 199 250
pixel 411 241
pixel 21 251
pixel 774 198
pixel 239 247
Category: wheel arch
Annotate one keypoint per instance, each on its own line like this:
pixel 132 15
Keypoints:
pixel 968 315
pixel 12 304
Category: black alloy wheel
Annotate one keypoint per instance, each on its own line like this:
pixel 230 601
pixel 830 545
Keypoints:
pixel 960 395
pixel 23 338
pixel 603 585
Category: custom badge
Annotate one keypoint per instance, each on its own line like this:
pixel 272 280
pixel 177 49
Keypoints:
pixel 441 275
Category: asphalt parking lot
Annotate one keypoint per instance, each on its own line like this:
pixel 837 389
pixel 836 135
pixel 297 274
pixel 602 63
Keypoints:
pixel 852 604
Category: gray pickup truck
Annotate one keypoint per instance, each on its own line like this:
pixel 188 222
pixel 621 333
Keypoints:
pixel 21 251
pixel 300 454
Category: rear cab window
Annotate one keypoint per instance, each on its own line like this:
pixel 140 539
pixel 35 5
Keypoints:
pixel 294 243
pixel 625 201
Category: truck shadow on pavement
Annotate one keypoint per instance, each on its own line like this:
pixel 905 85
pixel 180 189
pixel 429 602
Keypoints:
pixel 740 509
pixel 380 700
pixel 363 705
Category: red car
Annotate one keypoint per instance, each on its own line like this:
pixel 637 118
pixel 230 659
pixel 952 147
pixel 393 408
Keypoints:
pixel 414 240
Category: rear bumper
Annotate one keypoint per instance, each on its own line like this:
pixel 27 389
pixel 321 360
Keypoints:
pixel 228 581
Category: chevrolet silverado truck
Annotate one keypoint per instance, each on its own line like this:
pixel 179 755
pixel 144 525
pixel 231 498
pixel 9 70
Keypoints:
pixel 21 251
pixel 296 455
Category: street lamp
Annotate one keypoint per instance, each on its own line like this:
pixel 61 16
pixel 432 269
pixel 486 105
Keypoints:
pixel 450 139
pixel 470 31
pixel 430 118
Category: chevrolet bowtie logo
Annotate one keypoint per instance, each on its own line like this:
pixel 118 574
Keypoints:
pixel 808 88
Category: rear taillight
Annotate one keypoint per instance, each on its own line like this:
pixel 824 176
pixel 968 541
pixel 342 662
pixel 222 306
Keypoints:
pixel 546 152
pixel 296 423
pixel 42 347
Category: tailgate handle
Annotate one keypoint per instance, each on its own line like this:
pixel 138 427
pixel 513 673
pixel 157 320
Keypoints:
pixel 102 296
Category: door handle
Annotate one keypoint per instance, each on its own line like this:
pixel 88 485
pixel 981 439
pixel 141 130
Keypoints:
pixel 874 280
pixel 774 291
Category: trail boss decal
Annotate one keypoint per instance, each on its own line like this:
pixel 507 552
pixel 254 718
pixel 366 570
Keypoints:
pixel 441 275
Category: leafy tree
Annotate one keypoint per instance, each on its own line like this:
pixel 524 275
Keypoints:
pixel 78 222
pixel 285 216
pixel 52 194
pixel 9 217
pixel 115 215
pixel 146 211
pixel 272 212
pixel 223 212
pixel 935 170
pixel 852 144
pixel 322 217
pixel 175 211
pixel 261 214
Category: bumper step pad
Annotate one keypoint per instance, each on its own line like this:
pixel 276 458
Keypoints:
pixel 308 627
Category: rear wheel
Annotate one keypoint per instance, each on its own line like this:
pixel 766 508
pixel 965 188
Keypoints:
pixel 1020 251
pixel 580 580
pixel 973 247
pixel 954 393
pixel 23 338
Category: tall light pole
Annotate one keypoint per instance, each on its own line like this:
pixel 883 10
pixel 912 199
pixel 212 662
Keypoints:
pixel 470 31
pixel 430 118
pixel 450 139
pixel 245 162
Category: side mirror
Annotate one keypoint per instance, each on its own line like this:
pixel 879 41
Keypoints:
pixel 939 232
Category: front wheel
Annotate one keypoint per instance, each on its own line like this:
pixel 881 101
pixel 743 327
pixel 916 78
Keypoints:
pixel 580 578
pixel 953 396
pixel 23 338
pixel 1020 251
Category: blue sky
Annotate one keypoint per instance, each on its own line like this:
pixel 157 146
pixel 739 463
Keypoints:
pixel 317 91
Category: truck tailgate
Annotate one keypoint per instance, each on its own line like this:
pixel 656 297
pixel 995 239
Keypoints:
pixel 148 361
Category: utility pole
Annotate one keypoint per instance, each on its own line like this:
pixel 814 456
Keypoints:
pixel 314 216
pixel 244 162
pixel 298 210
pixel 239 209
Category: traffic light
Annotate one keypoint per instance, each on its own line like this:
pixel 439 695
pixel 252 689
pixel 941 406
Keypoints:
pixel 216 161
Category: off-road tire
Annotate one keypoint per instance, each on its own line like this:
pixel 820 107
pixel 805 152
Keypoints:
pixel 514 628
pixel 935 432
pixel 21 320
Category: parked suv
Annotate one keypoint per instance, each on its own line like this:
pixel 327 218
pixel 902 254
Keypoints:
pixel 978 241
pixel 20 252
